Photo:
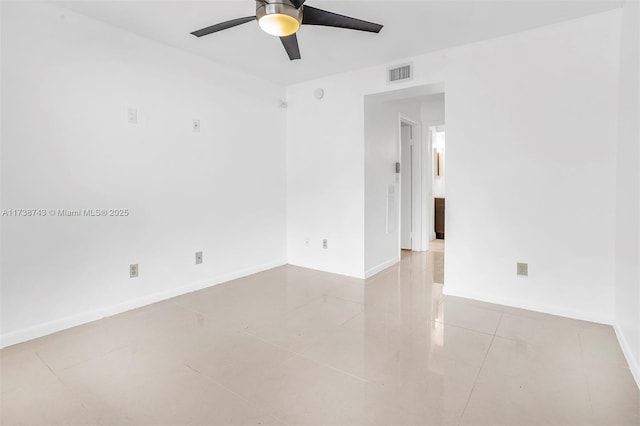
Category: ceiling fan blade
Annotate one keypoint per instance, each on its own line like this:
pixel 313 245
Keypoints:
pixel 223 26
pixel 297 3
pixel 290 44
pixel 313 16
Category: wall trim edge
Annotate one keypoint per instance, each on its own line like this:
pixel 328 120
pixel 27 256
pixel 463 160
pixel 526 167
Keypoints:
pixel 381 267
pixel 545 309
pixel 628 354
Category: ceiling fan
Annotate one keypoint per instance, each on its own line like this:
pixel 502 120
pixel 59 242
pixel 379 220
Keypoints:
pixel 282 18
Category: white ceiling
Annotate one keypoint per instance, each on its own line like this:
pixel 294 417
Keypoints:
pixel 411 27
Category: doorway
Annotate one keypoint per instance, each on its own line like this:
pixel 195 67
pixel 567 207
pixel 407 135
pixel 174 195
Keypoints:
pixel 398 173
pixel 438 147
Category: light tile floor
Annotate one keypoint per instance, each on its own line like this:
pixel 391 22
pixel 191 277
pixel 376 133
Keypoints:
pixel 295 346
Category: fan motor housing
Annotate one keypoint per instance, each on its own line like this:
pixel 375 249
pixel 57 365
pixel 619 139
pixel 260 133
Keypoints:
pixel 278 7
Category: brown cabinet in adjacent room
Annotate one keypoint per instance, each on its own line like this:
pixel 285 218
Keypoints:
pixel 439 218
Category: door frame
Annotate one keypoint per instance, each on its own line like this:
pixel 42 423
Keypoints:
pixel 406 176
pixel 419 241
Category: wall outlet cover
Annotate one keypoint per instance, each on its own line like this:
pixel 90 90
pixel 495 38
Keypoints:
pixel 133 270
pixel 523 269
pixel 198 257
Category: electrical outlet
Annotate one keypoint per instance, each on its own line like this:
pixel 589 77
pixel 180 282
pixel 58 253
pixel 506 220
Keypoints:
pixel 132 116
pixel 196 126
pixel 133 270
pixel 198 257
pixel 325 244
pixel 523 269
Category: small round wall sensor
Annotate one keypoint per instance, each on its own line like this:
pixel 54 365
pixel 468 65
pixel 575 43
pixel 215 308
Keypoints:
pixel 319 94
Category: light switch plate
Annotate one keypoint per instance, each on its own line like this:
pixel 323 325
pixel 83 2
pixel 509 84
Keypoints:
pixel 132 116
pixel 198 257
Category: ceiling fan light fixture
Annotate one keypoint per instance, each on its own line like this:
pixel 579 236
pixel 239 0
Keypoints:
pixel 280 19
pixel 279 24
pixel 283 18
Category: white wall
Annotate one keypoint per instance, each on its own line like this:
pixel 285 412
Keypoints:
pixel 627 232
pixel 67 82
pixel 432 110
pixel 325 177
pixel 527 179
pixel 531 164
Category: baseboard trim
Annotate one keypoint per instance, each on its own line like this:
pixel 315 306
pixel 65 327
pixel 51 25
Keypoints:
pixel 40 330
pixel 314 267
pixel 381 267
pixel 628 354
pixel 545 309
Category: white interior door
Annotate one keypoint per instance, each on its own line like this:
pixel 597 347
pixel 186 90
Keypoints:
pixel 406 162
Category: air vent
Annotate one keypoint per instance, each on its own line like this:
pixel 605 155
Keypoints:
pixel 400 73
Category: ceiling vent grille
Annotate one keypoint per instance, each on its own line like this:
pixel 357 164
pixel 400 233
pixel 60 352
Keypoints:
pixel 400 73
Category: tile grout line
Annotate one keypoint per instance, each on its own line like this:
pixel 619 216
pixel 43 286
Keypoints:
pixel 186 308
pixel 584 373
pixel 348 300
pixel 302 355
pixel 243 329
pixel 46 365
pixel 466 328
pixel 65 385
pixel 259 407
pixel 337 370
pixel 475 382
pixel 99 356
